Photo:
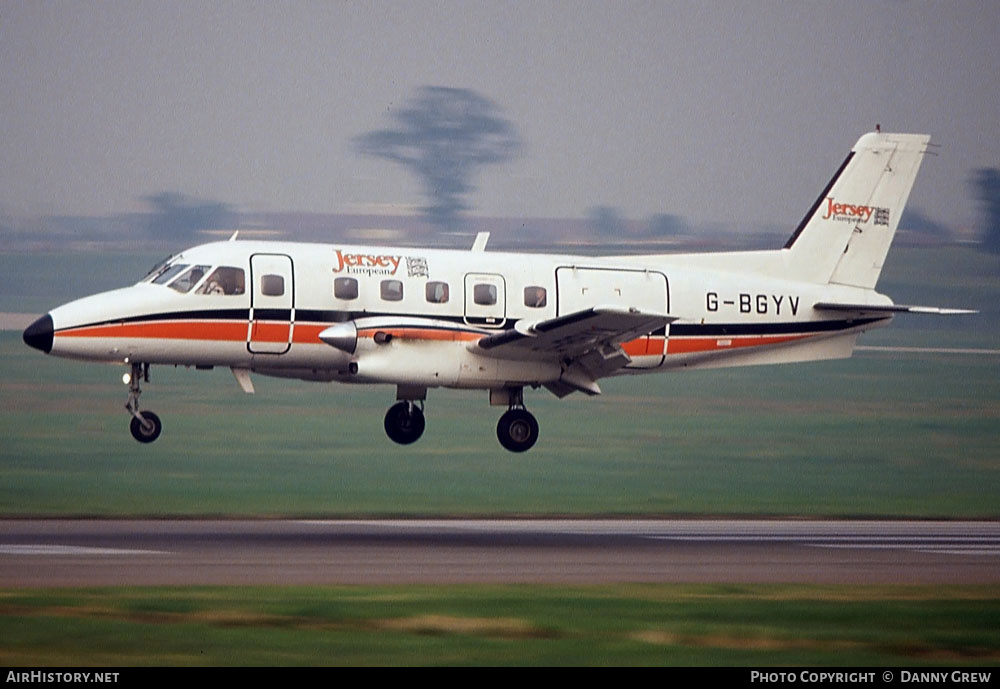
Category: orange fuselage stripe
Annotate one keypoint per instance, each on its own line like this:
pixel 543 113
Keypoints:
pixel 166 330
pixel 689 345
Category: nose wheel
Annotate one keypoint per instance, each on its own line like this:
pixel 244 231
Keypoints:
pixel 404 422
pixel 517 430
pixel 145 426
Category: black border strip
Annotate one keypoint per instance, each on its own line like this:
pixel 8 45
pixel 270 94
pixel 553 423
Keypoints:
pixel 301 316
pixel 206 315
pixel 272 314
pixel 676 329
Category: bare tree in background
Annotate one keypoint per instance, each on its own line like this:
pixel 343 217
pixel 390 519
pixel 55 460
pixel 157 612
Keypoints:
pixel 443 135
pixel 179 217
pixel 986 187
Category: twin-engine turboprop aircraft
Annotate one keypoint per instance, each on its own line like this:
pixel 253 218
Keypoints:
pixel 425 318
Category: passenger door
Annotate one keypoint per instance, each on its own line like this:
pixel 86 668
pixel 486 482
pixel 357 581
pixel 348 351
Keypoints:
pixel 272 304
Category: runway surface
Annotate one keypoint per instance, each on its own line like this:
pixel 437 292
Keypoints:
pixel 125 552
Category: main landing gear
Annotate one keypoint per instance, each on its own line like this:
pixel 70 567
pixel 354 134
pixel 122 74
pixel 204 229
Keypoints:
pixel 517 430
pixel 145 425
pixel 404 422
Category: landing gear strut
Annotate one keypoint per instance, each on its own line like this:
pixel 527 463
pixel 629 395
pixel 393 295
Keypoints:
pixel 145 425
pixel 517 429
pixel 404 422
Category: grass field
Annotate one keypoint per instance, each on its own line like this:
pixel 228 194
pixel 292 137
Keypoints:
pixel 877 435
pixel 754 626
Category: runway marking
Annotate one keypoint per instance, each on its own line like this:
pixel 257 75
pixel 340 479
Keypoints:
pixel 946 545
pixel 928 350
pixel 987 548
pixel 840 541
pixel 27 549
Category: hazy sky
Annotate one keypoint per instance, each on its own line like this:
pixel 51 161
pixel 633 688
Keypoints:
pixel 717 111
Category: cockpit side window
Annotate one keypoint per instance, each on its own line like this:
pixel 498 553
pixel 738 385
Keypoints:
pixel 224 280
pixel 189 279
pixel 169 273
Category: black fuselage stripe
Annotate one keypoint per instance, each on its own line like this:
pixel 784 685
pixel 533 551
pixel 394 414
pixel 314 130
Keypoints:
pixel 731 329
pixel 677 329
pixel 301 316
pixel 272 314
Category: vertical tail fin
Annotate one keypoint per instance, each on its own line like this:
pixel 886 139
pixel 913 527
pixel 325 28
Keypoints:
pixel 845 236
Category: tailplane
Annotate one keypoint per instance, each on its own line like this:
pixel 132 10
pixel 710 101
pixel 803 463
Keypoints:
pixel 845 236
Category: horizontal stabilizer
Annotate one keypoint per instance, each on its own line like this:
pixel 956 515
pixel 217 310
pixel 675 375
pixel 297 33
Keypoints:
pixel 891 308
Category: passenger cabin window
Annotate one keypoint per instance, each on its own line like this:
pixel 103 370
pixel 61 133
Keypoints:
pixel 392 290
pixel 272 285
pixel 437 292
pixel 534 297
pixel 189 279
pixel 484 295
pixel 225 280
pixel 345 288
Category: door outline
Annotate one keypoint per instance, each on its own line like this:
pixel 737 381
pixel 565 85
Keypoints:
pixel 572 278
pixel 272 318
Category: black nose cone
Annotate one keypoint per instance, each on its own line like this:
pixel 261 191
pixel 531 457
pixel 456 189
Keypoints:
pixel 39 334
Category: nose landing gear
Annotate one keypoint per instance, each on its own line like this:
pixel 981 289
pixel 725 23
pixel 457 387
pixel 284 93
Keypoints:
pixel 145 425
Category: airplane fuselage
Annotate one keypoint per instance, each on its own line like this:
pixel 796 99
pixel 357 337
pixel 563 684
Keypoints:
pixel 433 303
pixel 431 318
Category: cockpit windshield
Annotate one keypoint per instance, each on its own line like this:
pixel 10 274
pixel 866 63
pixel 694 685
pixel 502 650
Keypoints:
pixel 189 279
pixel 158 269
pixel 184 277
pixel 168 273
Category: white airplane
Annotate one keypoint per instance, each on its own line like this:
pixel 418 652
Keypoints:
pixel 427 318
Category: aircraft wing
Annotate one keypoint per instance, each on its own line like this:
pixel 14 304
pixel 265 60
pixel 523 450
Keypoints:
pixel 587 343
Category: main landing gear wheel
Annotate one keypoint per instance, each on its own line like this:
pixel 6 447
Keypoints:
pixel 517 430
pixel 404 423
pixel 147 429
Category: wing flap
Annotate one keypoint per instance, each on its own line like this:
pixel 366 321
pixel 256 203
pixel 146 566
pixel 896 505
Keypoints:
pixel 587 344
pixel 571 336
